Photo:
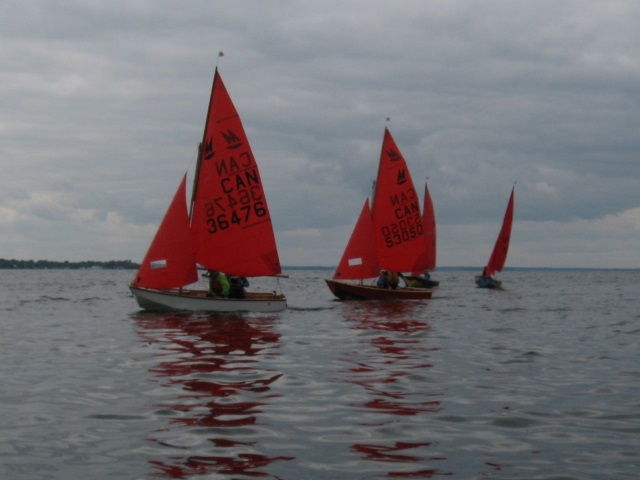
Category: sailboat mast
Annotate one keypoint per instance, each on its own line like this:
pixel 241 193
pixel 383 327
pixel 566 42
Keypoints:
pixel 373 193
pixel 201 147
pixel 375 182
pixel 195 183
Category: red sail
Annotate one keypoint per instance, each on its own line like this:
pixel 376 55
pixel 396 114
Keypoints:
pixel 360 259
pixel 429 224
pixel 399 233
pixel 230 219
pixel 170 260
pixel 501 248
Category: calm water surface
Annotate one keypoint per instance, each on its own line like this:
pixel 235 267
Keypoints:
pixel 538 381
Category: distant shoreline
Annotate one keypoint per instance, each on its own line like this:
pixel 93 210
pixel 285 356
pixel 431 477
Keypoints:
pixel 66 265
pixel 129 265
pixel 479 269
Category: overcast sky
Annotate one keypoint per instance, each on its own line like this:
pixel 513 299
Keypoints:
pixel 103 105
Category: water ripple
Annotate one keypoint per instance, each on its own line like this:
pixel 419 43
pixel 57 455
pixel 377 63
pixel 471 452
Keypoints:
pixel 538 381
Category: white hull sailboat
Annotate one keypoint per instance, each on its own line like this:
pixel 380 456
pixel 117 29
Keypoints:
pixel 228 228
pixel 199 301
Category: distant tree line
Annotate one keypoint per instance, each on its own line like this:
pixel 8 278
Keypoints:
pixel 48 264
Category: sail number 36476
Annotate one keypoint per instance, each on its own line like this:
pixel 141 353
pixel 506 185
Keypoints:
pixel 226 211
pixel 235 217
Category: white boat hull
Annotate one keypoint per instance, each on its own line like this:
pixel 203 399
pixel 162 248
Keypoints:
pixel 198 301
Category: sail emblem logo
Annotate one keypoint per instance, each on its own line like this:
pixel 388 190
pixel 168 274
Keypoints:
pixel 233 141
pixel 402 176
pixel 393 155
pixel 207 149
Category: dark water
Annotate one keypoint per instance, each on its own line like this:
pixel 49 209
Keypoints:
pixel 539 381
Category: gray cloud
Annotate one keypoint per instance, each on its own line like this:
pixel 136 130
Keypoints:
pixel 104 104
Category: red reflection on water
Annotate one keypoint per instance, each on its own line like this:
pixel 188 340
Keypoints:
pixel 381 453
pixel 388 454
pixel 203 465
pixel 390 365
pixel 215 361
pixel 391 357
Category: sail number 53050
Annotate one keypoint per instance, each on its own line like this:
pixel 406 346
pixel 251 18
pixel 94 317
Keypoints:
pixel 402 231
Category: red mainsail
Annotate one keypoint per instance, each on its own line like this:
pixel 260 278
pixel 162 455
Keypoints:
pixel 230 220
pixel 360 258
pixel 501 248
pixel 399 233
pixel 170 260
pixel 429 224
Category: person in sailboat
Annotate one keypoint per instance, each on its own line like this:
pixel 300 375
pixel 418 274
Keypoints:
pixel 219 285
pixel 237 286
pixel 394 279
pixel 383 279
pixel 425 280
pixel 484 274
pixel 410 281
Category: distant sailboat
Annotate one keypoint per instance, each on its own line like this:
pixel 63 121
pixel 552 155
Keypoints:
pixel 229 228
pixel 422 279
pixel 500 250
pixel 388 235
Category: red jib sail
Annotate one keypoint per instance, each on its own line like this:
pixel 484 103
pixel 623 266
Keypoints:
pixel 399 233
pixel 230 220
pixel 501 248
pixel 429 224
pixel 170 260
pixel 360 258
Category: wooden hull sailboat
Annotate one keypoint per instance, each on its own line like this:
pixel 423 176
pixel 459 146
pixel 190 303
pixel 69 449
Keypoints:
pixel 388 236
pixel 228 228
pixel 357 291
pixel 500 250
